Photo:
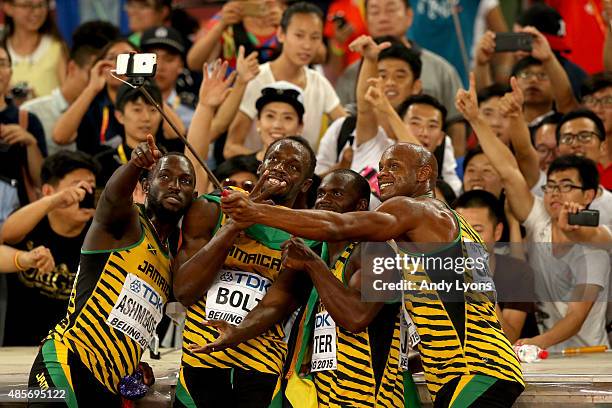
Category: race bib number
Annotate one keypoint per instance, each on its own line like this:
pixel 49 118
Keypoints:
pixel 234 294
pixel 138 310
pixel 324 346
pixel 412 337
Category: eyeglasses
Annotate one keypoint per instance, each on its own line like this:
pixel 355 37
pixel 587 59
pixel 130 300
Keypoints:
pixel 544 150
pixel 246 185
pixel 562 188
pixel 4 63
pixel 32 6
pixel 591 100
pixel 582 137
pixel 540 76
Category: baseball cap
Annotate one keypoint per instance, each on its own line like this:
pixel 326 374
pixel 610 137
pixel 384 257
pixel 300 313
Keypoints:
pixel 165 37
pixel 549 22
pixel 282 91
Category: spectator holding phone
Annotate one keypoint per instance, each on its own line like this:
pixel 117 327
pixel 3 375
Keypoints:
pixel 57 221
pixel 37 51
pixel 22 147
pixel 571 280
pixel 251 24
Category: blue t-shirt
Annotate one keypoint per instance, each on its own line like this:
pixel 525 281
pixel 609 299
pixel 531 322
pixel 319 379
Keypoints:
pixel 433 28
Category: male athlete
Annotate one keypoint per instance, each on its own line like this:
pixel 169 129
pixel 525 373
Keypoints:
pixel 465 354
pixel 122 283
pixel 223 269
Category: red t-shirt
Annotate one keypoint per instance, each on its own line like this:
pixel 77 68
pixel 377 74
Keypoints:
pixel 605 176
pixel 586 28
pixel 353 16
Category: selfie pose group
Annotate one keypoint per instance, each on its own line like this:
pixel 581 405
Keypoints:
pixel 333 227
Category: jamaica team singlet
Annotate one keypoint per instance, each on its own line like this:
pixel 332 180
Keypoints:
pixel 251 266
pixel 116 303
pixel 358 369
pixel 460 335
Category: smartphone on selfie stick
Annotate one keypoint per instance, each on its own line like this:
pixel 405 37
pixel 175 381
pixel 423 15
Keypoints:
pixel 142 66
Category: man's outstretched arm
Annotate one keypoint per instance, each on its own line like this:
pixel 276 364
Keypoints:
pixel 380 225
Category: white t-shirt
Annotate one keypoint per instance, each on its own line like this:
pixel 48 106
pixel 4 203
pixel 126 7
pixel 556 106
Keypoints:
pixel 555 278
pixel 370 152
pixel 319 98
pixel 603 203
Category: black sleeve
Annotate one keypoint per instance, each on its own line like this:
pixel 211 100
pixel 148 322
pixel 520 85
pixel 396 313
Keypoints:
pixel 36 129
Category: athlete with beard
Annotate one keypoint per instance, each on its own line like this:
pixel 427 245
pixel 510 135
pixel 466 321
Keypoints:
pixel 466 357
pixel 122 283
pixel 223 269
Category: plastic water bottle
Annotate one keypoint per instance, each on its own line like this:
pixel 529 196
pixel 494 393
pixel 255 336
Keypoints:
pixel 529 353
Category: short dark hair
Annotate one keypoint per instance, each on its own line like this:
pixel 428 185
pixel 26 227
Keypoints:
pixel 422 99
pixel 56 166
pixel 587 169
pixel 305 145
pixel 446 190
pixel 525 63
pixel 236 164
pixel 582 113
pixel 301 7
pixel 470 155
pixel 399 51
pixel 112 43
pixel 482 199
pixel 151 173
pixel 127 94
pixel 595 83
pixel 95 34
pixel 361 185
pixel 492 91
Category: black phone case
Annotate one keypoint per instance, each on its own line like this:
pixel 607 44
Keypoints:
pixel 507 42
pixel 585 218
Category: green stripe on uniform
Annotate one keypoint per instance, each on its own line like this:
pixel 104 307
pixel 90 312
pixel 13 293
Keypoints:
pixel 58 376
pixel 411 393
pixel 182 394
pixel 473 390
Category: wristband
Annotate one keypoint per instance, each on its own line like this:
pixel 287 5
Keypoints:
pixel 16 262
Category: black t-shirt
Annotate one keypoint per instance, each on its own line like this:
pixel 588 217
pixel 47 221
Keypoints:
pixel 514 283
pixel 14 157
pixel 37 301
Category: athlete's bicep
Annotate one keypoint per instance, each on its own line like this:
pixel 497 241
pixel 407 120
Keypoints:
pixel 197 229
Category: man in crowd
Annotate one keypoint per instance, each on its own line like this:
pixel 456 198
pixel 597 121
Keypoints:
pixel 513 277
pixel 571 282
pixel 439 78
pixel 597 96
pixel 59 221
pixel 125 266
pixel 168 45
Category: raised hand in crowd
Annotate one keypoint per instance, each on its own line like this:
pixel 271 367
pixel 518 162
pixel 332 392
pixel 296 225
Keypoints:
pixel 231 13
pixel 215 87
pixel 467 101
pixel 511 104
pixel 367 47
pixel 485 49
pixel 97 75
pixel 69 196
pixel 247 67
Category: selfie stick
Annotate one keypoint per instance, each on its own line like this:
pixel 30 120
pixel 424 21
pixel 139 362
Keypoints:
pixel 139 82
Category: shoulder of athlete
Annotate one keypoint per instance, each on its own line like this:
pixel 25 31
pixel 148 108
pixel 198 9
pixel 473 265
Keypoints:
pixel 201 218
pixel 424 218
